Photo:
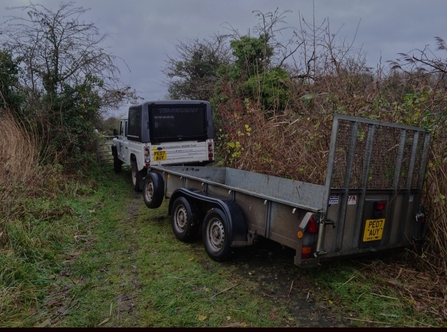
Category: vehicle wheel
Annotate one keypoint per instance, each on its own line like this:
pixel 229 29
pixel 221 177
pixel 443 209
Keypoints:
pixel 136 176
pixel 216 235
pixel 184 220
pixel 153 190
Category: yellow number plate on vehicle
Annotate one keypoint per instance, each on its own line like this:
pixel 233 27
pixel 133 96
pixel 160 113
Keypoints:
pixel 373 230
pixel 159 155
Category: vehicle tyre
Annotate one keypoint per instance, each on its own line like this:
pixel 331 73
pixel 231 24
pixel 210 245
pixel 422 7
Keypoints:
pixel 153 190
pixel 137 176
pixel 216 235
pixel 184 220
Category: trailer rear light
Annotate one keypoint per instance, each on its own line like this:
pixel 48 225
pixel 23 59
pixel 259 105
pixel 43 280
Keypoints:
pixel 379 206
pixel 312 226
pixel 379 209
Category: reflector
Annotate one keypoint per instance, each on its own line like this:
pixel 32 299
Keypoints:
pixel 305 252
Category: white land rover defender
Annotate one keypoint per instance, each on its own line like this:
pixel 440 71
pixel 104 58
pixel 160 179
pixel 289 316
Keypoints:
pixel 171 132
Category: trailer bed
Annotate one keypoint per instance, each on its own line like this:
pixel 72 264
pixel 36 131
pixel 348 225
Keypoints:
pixel 370 201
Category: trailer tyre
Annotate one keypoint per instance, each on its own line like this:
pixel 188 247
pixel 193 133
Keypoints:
pixel 184 220
pixel 153 190
pixel 216 235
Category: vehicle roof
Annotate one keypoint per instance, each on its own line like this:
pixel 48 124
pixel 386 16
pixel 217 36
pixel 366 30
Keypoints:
pixel 167 102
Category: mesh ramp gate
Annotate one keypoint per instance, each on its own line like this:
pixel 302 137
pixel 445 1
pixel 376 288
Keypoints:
pixel 368 156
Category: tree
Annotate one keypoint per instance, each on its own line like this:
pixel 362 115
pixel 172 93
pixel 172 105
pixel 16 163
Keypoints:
pixel 58 49
pixel 193 73
pixel 258 74
pixel 253 55
pixel 69 78
pixel 10 96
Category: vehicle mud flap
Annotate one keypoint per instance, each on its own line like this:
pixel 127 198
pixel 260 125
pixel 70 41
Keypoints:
pixel 238 224
pixel 153 190
pixel 137 176
pixel 117 164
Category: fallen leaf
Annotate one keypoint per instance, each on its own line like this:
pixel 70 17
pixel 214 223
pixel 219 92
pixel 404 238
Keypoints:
pixel 32 312
pixel 51 302
pixel 202 318
pixel 62 311
pixel 104 321
pixel 236 325
pixel 125 307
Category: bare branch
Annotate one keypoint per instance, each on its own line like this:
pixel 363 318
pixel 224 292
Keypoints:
pixel 58 48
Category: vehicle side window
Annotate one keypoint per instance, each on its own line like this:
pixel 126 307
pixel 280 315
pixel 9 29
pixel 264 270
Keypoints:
pixel 123 128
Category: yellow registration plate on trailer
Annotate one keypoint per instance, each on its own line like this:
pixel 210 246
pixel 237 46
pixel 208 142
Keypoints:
pixel 373 229
pixel 159 155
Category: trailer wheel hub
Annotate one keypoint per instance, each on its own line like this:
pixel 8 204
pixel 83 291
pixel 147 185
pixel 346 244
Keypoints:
pixel 216 233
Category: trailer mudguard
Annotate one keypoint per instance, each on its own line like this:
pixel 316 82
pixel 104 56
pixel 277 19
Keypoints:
pixel 238 226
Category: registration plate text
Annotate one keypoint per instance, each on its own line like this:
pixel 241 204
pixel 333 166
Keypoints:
pixel 159 155
pixel 373 230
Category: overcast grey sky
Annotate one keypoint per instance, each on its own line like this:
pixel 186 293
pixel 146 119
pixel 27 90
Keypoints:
pixel 143 32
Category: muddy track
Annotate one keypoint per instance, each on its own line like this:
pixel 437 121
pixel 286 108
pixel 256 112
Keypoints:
pixel 280 280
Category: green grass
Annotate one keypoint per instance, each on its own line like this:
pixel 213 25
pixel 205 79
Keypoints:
pixel 97 257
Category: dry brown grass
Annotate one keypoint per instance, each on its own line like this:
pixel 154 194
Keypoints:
pixel 21 176
pixel 423 290
pixel 19 152
pixel 283 145
pixel 435 200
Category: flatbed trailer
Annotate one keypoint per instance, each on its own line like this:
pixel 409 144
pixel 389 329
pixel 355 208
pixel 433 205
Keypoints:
pixel 370 202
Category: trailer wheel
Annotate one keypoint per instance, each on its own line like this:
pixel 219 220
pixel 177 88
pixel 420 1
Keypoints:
pixel 153 190
pixel 184 220
pixel 216 235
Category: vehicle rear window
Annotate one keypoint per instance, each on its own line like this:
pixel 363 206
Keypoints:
pixel 177 122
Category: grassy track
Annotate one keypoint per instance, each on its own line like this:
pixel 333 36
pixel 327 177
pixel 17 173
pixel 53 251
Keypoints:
pixel 112 262
pixel 133 272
